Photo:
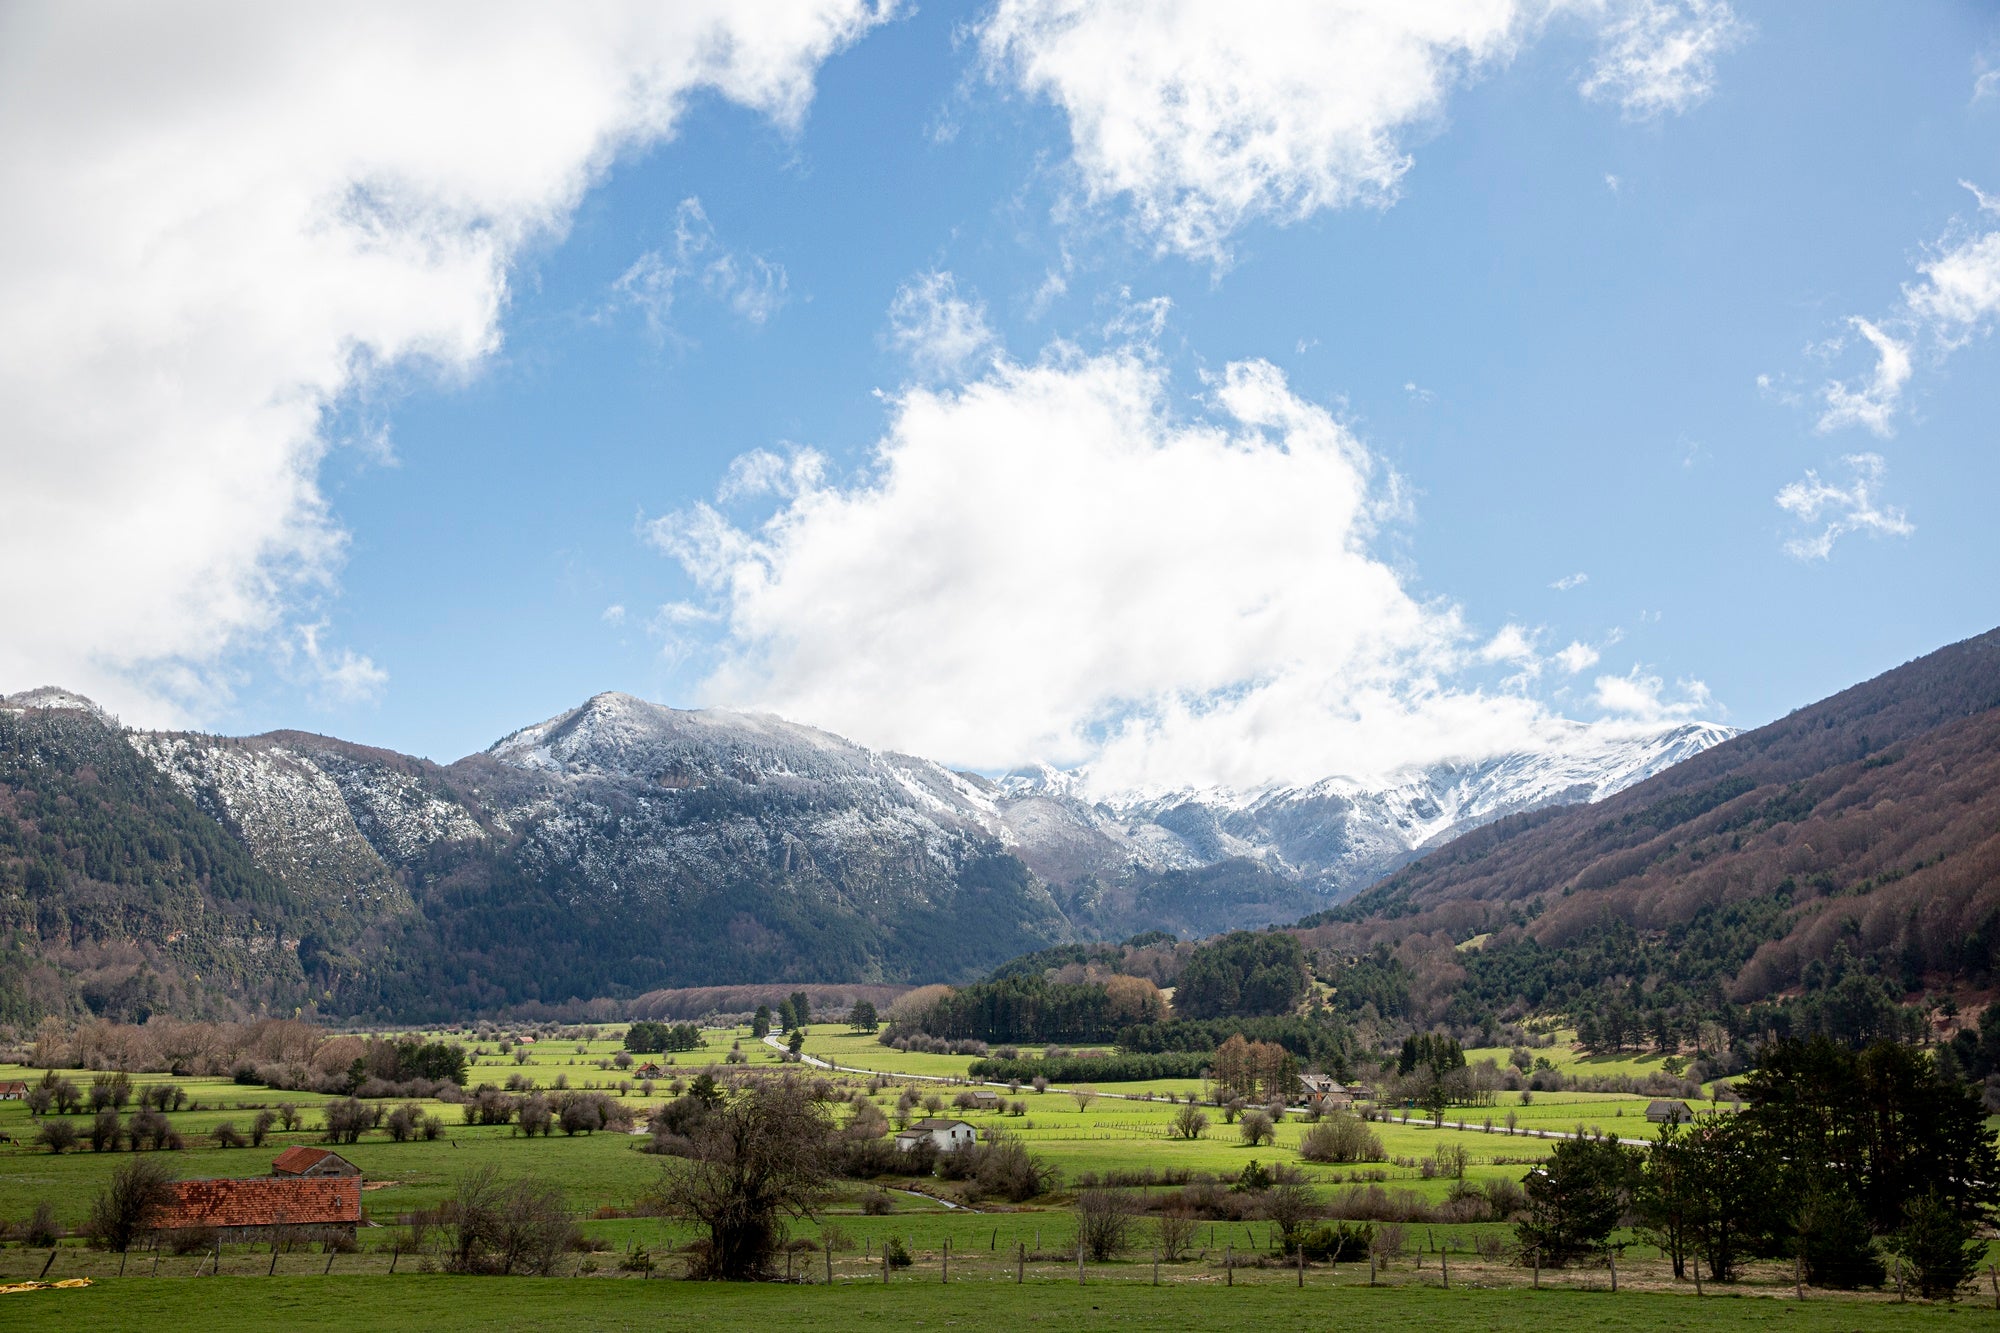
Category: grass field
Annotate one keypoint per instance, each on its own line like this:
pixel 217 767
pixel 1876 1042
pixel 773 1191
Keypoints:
pixel 606 1176
pixel 343 1303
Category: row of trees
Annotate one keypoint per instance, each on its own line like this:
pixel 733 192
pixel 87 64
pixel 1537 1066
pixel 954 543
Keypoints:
pixel 646 1037
pixel 1838 1155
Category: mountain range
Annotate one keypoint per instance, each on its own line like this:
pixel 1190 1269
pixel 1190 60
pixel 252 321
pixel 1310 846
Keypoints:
pixel 623 846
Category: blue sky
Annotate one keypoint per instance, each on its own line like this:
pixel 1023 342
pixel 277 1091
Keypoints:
pixel 1582 319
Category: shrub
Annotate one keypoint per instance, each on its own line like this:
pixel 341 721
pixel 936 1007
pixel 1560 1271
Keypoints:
pixel 1103 1223
pixel 1256 1128
pixel 226 1135
pixel 1341 1137
pixel 260 1128
pixel 40 1229
pixel 894 1254
pixel 58 1136
pixel 1338 1242
pixel 1188 1123
pixel 877 1203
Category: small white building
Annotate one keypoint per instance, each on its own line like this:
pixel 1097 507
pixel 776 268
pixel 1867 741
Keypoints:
pixel 944 1135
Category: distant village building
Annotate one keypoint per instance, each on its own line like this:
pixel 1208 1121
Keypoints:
pixel 944 1135
pixel 1324 1093
pixel 312 1162
pixel 984 1099
pixel 265 1208
pixel 1668 1113
pixel 13 1091
pixel 650 1069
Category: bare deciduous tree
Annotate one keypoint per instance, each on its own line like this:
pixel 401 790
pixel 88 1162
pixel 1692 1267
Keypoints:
pixel 759 1157
pixel 1103 1223
pixel 138 1191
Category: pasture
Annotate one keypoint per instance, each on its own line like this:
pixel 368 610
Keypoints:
pixel 1118 1137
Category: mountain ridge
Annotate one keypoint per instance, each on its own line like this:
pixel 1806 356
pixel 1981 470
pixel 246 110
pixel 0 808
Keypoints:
pixel 621 846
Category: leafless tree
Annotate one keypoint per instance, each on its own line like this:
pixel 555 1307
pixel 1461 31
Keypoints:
pixel 1103 1223
pixel 138 1191
pixel 1083 1094
pixel 760 1157
pixel 1176 1235
pixel 519 1226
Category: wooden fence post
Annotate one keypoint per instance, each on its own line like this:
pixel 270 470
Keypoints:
pixel 945 1271
pixel 1020 1263
pixel 1799 1271
pixel 1371 1268
pixel 1538 1267
pixel 1614 1272
pixel 1301 1248
pixel 1228 1267
pixel 827 1250
pixel 1444 1267
pixel 885 1265
pixel 47 1264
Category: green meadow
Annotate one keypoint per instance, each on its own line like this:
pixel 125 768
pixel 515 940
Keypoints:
pixel 1119 1136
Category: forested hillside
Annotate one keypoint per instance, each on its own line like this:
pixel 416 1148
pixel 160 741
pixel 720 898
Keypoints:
pixel 117 892
pixel 1843 859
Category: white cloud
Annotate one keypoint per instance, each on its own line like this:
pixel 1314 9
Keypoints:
pixel 751 285
pixel 1568 581
pixel 1839 510
pixel 614 614
pixel 1612 183
pixel 1204 117
pixel 1512 644
pixel 1644 698
pixel 221 220
pixel 1960 293
pixel 1873 404
pixel 1048 563
pixel 1957 300
pixel 335 675
pixel 942 333
pixel 1659 56
pixel 1577 657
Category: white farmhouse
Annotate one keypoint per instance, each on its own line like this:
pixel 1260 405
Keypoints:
pixel 944 1135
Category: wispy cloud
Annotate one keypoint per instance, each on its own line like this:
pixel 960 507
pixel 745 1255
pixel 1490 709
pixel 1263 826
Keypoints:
pixel 1836 511
pixel 754 287
pixel 1873 402
pixel 1568 581
pixel 1955 300
pixel 1659 57
pixel 943 333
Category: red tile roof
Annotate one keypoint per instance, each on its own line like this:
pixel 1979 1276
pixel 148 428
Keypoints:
pixel 295 1161
pixel 262 1202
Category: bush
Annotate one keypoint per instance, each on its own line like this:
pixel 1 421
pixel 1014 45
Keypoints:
pixel 40 1229
pixel 1341 1137
pixel 1188 1123
pixel 58 1136
pixel 877 1203
pixel 260 1128
pixel 1103 1223
pixel 894 1254
pixel 1338 1242
pixel 1256 1128
pixel 226 1135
